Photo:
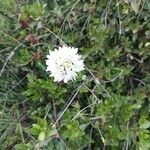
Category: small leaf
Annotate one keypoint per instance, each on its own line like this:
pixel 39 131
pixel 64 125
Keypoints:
pixel 21 147
pixel 35 130
pixel 24 57
pixel 144 123
pixel 41 136
pixel 42 122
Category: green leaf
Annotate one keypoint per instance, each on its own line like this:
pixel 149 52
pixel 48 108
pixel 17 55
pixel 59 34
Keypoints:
pixel 41 136
pixel 144 123
pixel 21 147
pixel 35 130
pixel 24 57
pixel 42 122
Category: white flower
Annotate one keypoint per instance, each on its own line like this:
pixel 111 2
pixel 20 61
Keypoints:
pixel 83 77
pixel 64 63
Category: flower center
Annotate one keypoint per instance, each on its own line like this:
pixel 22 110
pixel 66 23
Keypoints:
pixel 67 65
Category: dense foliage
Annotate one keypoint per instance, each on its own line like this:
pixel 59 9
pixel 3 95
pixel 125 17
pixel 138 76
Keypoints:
pixel 107 107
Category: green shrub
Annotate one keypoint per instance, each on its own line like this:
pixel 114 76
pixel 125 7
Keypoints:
pixel 108 108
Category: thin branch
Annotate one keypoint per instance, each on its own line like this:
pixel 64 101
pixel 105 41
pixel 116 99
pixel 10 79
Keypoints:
pixel 97 81
pixel 12 88
pixel 8 58
pixel 106 12
pixel 83 110
pixel 69 12
pixel 67 106
pixel 55 36
pixel 120 30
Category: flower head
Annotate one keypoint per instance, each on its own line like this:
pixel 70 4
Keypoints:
pixel 64 63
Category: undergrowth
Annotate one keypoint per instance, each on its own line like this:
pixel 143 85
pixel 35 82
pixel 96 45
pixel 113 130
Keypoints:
pixel 107 107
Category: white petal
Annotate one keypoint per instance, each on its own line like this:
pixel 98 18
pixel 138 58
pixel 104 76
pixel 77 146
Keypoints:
pixel 60 59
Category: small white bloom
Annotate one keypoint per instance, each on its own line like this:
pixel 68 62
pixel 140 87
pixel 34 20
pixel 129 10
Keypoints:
pixel 83 77
pixel 97 81
pixel 64 63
